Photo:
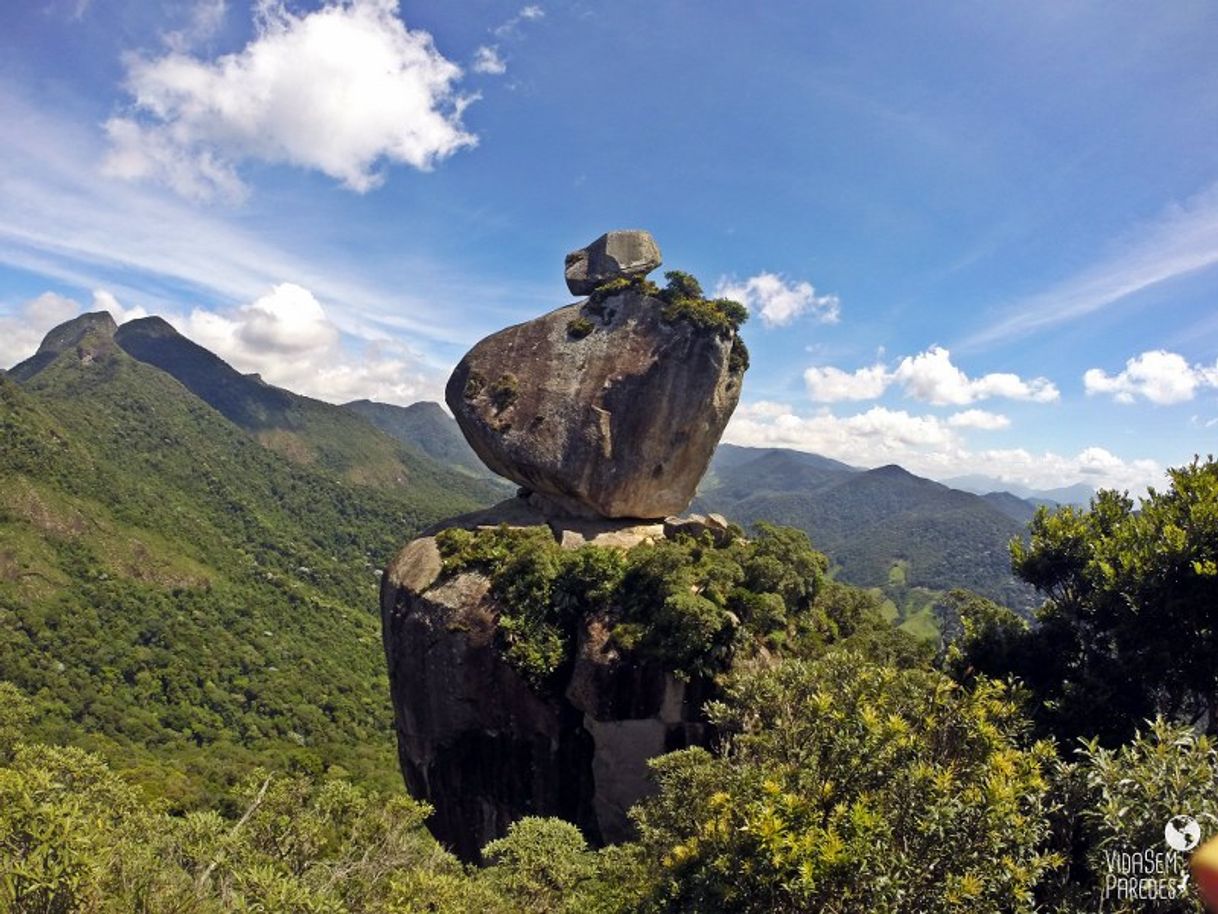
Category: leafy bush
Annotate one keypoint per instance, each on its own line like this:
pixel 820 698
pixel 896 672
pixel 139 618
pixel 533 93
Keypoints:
pixel 688 604
pixel 684 301
pixel 1111 803
pixel 853 787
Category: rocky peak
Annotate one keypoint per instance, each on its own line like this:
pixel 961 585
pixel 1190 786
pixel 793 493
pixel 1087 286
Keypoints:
pixel 148 327
pixel 85 332
pixel 606 412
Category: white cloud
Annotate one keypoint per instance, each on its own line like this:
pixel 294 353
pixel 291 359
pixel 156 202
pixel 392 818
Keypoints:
pixel 341 90
pixel 929 376
pixel 979 419
pixel 58 220
pixel 530 13
pixel 22 332
pixel 1183 239
pixel 830 385
pixel 286 337
pixel 779 302
pixel 206 19
pixel 1158 376
pixel 487 60
pixel 930 447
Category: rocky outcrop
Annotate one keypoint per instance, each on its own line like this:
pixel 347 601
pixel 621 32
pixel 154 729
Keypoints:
pixel 606 412
pixel 608 408
pixel 614 255
pixel 95 326
pixel 481 744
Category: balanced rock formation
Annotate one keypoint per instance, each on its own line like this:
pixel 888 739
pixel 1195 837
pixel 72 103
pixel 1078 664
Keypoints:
pixel 611 407
pixel 607 412
pixel 628 253
pixel 482 745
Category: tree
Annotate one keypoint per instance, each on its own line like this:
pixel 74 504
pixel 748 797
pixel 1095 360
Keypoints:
pixel 1130 620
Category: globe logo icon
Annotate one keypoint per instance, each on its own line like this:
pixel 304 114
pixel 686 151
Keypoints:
pixel 1182 833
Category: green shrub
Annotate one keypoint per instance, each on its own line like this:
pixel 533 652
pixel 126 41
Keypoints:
pixel 688 604
pixel 579 327
pixel 684 301
pixel 850 787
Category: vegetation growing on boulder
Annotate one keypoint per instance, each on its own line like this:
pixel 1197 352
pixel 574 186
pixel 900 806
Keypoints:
pixel 505 391
pixel 688 604
pixel 579 327
pixel 683 300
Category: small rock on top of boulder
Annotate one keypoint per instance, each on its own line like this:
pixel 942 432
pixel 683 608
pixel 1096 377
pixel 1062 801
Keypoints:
pixel 620 254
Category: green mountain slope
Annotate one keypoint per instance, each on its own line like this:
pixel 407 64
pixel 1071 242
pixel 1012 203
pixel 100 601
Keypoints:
pixel 179 597
pixel 883 528
pixel 304 430
pixel 427 428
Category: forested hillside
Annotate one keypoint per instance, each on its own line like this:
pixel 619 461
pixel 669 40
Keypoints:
pixel 182 599
pixel 884 528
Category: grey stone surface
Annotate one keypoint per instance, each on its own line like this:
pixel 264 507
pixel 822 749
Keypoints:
pixel 623 253
pixel 620 422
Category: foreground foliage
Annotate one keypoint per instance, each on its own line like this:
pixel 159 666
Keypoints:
pixel 1130 619
pixel 848 786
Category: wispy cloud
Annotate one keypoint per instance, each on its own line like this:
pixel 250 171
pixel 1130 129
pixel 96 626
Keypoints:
pixel 487 60
pixel 1181 240
pixel 60 219
pixel 510 27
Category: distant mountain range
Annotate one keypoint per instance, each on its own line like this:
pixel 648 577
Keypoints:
pixel 1078 494
pixel 426 427
pixel 883 528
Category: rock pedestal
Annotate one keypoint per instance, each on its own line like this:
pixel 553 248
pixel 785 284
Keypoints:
pixel 485 748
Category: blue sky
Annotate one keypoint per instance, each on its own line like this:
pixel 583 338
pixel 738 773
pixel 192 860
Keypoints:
pixel 975 237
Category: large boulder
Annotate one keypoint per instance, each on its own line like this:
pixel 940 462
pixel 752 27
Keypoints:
pixel 614 255
pixel 608 407
pixel 485 747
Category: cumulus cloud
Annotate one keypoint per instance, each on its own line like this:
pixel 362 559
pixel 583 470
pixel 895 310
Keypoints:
pixel 22 332
pixel 342 90
pixel 830 385
pixel 929 376
pixel 286 337
pixel 931 447
pixel 487 60
pixel 1158 376
pixel 979 419
pixel 778 301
